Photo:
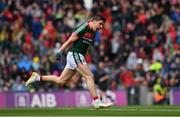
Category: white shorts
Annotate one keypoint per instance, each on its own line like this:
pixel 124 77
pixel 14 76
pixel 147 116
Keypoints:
pixel 73 59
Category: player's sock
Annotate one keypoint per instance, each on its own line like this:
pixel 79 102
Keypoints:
pixel 95 98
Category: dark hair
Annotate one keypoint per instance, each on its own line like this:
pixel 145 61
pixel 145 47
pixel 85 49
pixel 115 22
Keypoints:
pixel 99 17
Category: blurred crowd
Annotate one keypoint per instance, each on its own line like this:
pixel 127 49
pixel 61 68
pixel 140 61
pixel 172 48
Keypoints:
pixel 139 45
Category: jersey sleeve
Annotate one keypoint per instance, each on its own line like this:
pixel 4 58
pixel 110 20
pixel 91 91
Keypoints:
pixel 80 30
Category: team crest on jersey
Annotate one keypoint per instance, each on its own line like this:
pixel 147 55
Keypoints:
pixel 88 35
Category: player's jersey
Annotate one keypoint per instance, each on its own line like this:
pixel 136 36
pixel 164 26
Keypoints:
pixel 86 37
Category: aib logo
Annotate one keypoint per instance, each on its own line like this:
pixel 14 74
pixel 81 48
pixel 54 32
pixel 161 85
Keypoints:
pixel 21 100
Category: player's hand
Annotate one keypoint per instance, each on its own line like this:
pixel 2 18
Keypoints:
pixel 59 56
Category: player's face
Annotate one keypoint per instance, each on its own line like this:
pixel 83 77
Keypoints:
pixel 98 25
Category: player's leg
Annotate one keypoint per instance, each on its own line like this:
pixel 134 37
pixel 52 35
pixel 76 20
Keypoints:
pixel 87 74
pixel 61 80
pixel 65 75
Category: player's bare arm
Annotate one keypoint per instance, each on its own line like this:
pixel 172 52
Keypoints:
pixel 67 44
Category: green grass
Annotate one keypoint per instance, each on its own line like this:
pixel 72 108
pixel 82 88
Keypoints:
pixel 112 111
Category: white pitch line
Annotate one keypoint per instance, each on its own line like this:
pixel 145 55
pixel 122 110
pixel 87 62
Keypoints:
pixel 124 109
pixel 116 109
pixel 87 116
pixel 161 110
pixel 129 109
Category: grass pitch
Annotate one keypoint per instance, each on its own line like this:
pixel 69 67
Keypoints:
pixel 130 111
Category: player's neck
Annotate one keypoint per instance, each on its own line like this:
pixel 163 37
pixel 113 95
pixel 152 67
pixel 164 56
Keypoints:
pixel 90 23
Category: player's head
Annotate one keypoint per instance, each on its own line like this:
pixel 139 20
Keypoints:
pixel 98 22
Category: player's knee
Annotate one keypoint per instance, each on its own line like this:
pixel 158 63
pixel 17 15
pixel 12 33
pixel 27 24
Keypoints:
pixel 90 76
pixel 60 82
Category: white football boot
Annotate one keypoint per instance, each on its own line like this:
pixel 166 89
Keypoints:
pixel 98 104
pixel 34 77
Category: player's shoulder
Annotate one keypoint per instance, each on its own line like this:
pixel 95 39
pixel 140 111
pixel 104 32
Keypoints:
pixel 81 25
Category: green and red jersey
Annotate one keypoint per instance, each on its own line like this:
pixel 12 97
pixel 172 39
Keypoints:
pixel 86 38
